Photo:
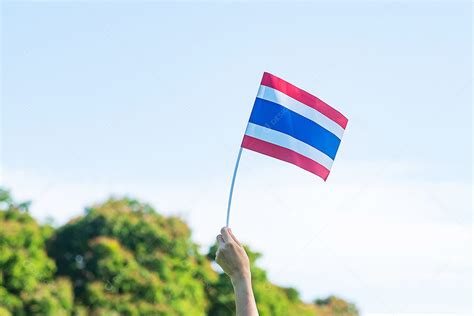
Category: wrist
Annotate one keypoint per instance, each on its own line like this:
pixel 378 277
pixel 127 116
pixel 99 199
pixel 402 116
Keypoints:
pixel 241 279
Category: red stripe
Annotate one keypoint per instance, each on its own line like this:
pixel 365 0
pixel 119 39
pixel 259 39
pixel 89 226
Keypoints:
pixel 285 154
pixel 296 93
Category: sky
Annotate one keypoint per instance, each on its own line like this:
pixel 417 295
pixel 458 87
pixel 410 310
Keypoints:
pixel 150 100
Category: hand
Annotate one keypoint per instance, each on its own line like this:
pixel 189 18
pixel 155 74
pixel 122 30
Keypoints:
pixel 231 256
pixel 233 259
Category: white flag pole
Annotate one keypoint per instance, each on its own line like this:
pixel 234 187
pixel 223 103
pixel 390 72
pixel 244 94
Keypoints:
pixel 232 187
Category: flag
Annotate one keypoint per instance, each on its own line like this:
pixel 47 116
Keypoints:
pixel 289 124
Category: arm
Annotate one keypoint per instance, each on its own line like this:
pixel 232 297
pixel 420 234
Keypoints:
pixel 231 256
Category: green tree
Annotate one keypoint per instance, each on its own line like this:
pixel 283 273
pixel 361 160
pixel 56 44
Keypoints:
pixel 124 257
pixel 334 306
pixel 27 284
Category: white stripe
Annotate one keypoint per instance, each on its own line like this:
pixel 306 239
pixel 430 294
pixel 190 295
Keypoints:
pixel 288 102
pixel 285 140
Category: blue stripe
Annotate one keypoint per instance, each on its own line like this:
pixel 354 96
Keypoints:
pixel 279 118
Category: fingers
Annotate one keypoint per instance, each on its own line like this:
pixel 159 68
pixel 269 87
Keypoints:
pixel 228 236
pixel 220 240
pixel 234 238
pixel 225 234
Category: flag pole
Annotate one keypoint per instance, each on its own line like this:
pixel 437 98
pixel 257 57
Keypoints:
pixel 232 187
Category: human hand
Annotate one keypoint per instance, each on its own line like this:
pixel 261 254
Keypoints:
pixel 231 256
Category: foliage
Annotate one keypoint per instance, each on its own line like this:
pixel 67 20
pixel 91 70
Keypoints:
pixel 334 306
pixel 27 284
pixel 123 258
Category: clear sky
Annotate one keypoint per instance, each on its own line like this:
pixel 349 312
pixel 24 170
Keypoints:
pixel 151 99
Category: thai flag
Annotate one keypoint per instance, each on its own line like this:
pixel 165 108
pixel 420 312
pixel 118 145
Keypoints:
pixel 289 124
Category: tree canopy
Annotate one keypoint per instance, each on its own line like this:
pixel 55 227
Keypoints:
pixel 27 275
pixel 123 258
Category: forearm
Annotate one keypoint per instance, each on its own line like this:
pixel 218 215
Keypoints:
pixel 233 259
pixel 244 298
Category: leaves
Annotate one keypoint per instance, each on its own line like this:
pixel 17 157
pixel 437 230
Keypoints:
pixel 123 258
pixel 27 283
pixel 132 256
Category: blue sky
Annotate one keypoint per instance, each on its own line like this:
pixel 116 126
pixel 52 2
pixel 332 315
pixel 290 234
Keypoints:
pixel 151 100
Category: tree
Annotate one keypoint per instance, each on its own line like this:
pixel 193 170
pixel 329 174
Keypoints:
pixel 124 257
pixel 27 284
pixel 334 306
